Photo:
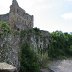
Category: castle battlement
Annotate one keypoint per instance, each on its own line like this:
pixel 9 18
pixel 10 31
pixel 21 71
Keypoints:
pixel 17 17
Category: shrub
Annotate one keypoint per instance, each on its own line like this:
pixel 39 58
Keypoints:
pixel 4 28
pixel 43 60
pixel 29 60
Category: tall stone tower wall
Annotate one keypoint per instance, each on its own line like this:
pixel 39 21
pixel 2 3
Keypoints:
pixel 18 18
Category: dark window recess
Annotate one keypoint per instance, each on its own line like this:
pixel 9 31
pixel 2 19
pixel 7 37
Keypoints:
pixel 40 46
pixel 18 29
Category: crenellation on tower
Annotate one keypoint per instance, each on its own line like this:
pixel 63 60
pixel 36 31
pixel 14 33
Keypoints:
pixel 17 17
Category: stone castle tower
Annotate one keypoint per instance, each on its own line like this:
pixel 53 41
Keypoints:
pixel 17 17
pixel 10 45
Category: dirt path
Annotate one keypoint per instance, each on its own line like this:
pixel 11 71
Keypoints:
pixel 61 65
pixel 46 70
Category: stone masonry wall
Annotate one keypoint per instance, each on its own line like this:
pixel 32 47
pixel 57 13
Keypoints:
pixel 10 45
pixel 9 50
pixel 39 41
pixel 4 17
pixel 18 18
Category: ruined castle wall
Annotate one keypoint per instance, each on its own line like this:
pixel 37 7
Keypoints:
pixel 38 40
pixel 4 17
pixel 19 19
pixel 9 45
pixel 25 21
pixel 21 22
pixel 9 50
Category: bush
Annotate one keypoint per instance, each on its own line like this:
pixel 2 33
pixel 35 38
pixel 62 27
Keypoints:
pixel 43 60
pixel 29 60
pixel 4 28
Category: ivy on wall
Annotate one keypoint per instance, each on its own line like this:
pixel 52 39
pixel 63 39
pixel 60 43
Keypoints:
pixel 4 28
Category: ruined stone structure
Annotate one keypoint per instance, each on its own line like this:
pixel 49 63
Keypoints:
pixel 10 44
pixel 18 18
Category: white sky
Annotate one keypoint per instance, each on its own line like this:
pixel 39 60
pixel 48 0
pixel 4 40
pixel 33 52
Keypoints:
pixel 50 15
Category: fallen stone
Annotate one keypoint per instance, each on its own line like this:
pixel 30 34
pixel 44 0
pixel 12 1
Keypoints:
pixel 4 67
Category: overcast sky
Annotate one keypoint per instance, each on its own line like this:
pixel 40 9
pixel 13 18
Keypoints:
pixel 50 15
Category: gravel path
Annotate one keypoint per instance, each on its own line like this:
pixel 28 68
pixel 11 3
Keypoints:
pixel 46 70
pixel 61 66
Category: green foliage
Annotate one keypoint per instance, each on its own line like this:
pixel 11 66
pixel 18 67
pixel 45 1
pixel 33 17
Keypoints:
pixel 4 28
pixel 36 31
pixel 61 45
pixel 29 60
pixel 43 59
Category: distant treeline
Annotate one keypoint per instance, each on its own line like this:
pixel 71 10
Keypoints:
pixel 61 45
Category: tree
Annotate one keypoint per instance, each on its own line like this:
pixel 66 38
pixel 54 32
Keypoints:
pixel 60 45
